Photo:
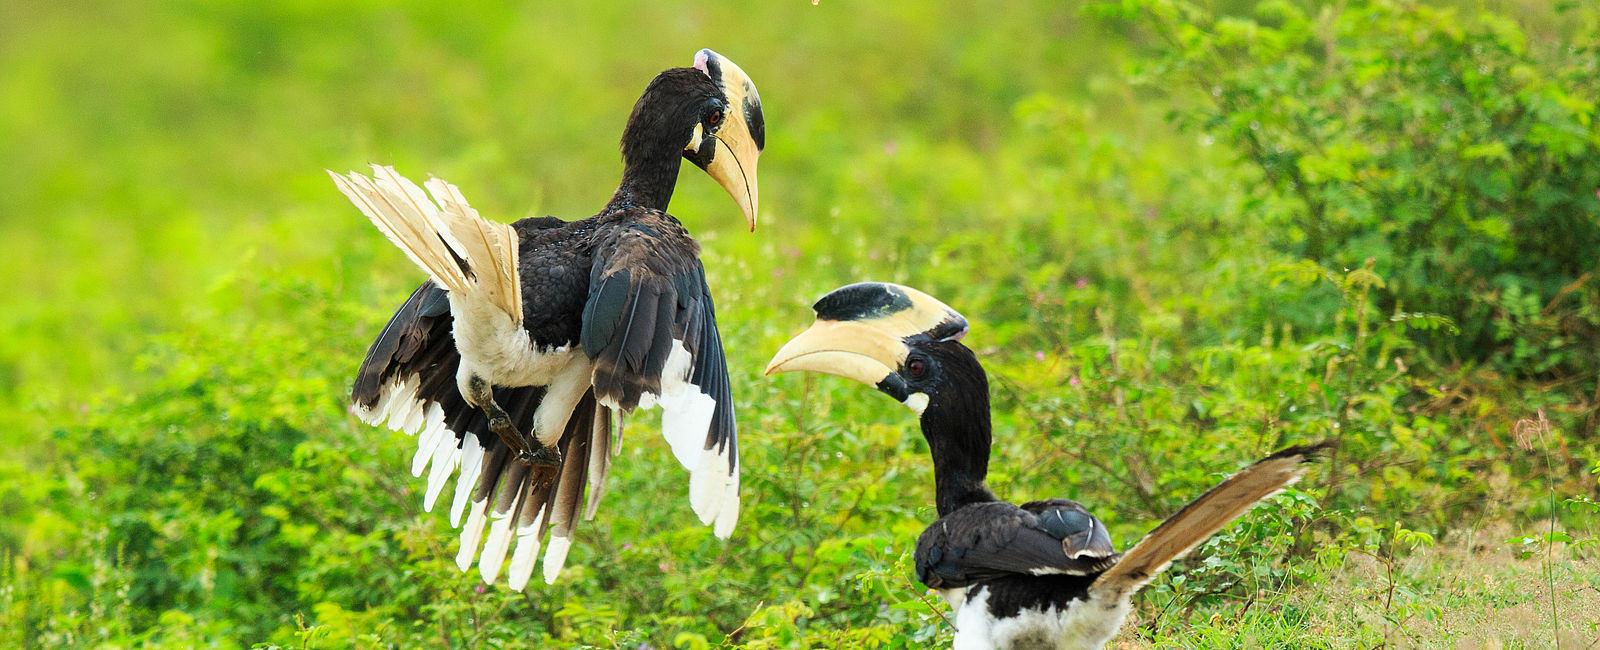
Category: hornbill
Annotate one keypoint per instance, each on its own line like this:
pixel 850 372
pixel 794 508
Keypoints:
pixel 510 361
pixel 1043 574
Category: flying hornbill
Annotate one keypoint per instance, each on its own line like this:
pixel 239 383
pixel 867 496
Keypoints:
pixel 1043 574
pixel 509 362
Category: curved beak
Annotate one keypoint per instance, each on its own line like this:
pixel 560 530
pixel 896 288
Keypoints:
pixel 742 136
pixel 864 331
pixel 849 349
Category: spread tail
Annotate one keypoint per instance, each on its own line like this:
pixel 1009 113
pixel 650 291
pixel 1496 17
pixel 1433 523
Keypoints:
pixel 1202 518
pixel 463 252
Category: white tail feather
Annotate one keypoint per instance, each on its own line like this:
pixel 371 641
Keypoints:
pixel 472 533
pixel 705 485
pixel 555 556
pixel 444 462
pixel 494 549
pixel 471 466
pixel 427 446
pixel 522 560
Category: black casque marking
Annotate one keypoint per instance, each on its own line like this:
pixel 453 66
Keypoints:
pixel 714 70
pixel 862 300
pixel 755 119
pixel 952 328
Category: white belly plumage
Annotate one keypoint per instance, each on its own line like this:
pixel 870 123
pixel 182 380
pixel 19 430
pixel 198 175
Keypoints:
pixel 500 350
pixel 1081 626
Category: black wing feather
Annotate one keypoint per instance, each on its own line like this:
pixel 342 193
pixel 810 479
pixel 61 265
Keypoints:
pixel 648 288
pixel 985 541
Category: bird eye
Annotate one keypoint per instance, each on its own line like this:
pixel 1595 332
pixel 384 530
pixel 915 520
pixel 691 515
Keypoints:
pixel 714 118
pixel 916 367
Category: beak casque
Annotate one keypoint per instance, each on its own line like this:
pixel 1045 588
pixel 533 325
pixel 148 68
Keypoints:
pixel 742 136
pixel 862 331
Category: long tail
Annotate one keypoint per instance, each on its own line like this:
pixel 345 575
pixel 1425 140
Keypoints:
pixel 463 252
pixel 1199 520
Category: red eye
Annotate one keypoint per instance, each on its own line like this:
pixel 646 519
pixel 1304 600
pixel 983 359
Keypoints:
pixel 715 118
pixel 916 367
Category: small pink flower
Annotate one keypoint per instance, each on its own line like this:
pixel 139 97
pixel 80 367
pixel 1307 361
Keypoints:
pixel 479 589
pixel 1073 382
pixel 1039 355
pixel 1082 283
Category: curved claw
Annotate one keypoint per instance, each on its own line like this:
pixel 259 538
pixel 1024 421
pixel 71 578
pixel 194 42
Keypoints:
pixel 545 455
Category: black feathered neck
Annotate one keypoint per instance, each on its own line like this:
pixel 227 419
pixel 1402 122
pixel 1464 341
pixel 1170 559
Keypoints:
pixel 661 125
pixel 956 425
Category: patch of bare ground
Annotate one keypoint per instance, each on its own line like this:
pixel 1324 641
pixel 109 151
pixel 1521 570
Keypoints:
pixel 1476 592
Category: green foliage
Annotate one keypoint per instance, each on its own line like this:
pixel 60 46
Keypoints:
pixel 190 297
pixel 1454 148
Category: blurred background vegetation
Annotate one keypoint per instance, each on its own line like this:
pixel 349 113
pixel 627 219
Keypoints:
pixel 1185 234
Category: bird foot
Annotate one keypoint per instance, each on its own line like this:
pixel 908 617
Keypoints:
pixel 545 455
pixel 524 446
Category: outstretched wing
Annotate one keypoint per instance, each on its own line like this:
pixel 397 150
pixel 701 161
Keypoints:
pixel 408 382
pixel 985 541
pixel 650 327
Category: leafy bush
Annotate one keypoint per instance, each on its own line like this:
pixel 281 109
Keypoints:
pixel 1456 151
pixel 1148 321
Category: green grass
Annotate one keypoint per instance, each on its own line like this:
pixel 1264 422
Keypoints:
pixel 188 297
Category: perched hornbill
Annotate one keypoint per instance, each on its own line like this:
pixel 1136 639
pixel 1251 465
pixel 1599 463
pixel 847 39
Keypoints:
pixel 511 359
pixel 1042 575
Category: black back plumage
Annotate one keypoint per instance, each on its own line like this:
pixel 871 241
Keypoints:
pixel 984 541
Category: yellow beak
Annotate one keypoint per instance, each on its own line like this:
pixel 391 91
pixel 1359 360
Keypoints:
pixel 850 349
pixel 742 135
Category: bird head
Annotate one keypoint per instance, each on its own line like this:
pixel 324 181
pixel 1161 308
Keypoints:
pixel 894 338
pixel 710 114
